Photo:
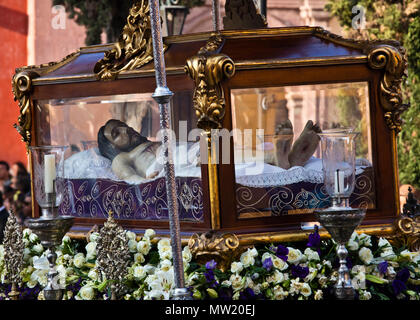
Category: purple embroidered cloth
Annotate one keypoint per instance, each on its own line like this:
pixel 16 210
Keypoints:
pixel 93 198
pixel 301 196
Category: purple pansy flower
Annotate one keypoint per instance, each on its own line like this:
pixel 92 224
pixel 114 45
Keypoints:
pixel 383 267
pixel 314 239
pixel 211 265
pixel 247 294
pixel 399 282
pixel 267 264
pixel 299 272
pixel 282 252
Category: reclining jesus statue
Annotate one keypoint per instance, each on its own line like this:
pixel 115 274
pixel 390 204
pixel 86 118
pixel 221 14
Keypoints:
pixel 135 158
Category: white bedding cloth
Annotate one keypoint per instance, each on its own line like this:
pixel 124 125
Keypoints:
pixel 90 164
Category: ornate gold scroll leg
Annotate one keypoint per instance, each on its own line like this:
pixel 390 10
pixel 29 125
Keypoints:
pixel 209 68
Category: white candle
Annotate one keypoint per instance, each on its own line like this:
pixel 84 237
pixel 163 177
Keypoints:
pixel 339 182
pixel 50 174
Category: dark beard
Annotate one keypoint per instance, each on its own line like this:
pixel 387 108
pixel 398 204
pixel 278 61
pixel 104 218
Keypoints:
pixel 135 140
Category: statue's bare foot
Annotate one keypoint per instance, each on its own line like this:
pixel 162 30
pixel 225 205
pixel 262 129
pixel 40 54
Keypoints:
pixel 283 143
pixel 305 146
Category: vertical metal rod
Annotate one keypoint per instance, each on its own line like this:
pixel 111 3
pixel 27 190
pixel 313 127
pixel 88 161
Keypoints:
pixel 216 15
pixel 163 95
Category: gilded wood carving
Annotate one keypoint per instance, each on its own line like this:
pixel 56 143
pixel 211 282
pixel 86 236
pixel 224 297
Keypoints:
pixel 389 56
pixel 134 47
pixel 209 68
pixel 222 248
pixel 22 89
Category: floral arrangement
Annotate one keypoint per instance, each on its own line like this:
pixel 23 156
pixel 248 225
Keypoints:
pixel 294 271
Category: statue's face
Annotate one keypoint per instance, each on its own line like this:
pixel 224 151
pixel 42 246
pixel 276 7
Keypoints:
pixel 121 135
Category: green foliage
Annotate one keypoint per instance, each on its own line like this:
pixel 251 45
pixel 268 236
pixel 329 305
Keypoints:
pixel 399 20
pixel 104 15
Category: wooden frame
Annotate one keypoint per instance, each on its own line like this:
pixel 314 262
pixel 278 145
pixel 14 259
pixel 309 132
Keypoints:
pixel 262 58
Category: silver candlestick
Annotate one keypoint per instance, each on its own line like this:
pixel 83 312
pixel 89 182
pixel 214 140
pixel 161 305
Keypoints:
pixel 340 223
pixel 50 227
pixel 340 220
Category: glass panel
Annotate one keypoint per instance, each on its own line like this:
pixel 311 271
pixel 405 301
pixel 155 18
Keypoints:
pixel 278 164
pixel 114 160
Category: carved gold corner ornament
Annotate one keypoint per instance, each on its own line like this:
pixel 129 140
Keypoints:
pixel 22 90
pixel 388 55
pixel 393 61
pixel 407 232
pixel 209 68
pixel 222 248
pixel 134 47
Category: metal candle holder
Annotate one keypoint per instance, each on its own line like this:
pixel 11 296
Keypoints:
pixel 340 220
pixel 50 227
pixel 340 224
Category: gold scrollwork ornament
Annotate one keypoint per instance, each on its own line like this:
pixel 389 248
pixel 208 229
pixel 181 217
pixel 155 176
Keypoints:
pixel 407 233
pixel 22 88
pixel 394 62
pixel 222 248
pixel 134 47
pixel 209 68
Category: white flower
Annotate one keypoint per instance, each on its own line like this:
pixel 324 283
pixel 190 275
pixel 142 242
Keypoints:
pixel 247 258
pixel 365 295
pixel 311 254
pixel 352 245
pixel 40 263
pixel 365 240
pixel 33 237
pixel 139 272
pixel 38 248
pixel 150 233
pixel 294 255
pixel 276 277
pixel 165 265
pixel 253 252
pixel 139 258
pixel 79 260
pixel 279 263
pixel 237 282
pixel 365 254
pixel 93 274
pixel 279 293
pixel 66 239
pixel 327 263
pixel 165 252
pixel 86 292
pixel 94 236
pixel 323 280
pixel 305 289
pixel 164 242
pixel 409 255
pixel 143 247
pixel 186 254
pixel 130 235
pixel 90 250
pixel 26 232
pixel 295 286
pixel 132 245
pixel 236 267
pixel 318 295
pixel 311 275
